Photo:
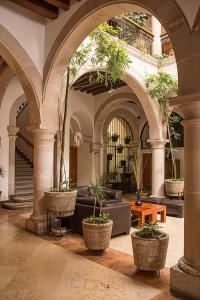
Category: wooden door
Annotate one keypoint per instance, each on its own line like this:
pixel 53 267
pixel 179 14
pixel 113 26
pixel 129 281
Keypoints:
pixel 73 165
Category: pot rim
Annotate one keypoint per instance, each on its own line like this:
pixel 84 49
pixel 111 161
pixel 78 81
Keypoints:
pixel 103 224
pixel 57 193
pixel 174 181
pixel 133 234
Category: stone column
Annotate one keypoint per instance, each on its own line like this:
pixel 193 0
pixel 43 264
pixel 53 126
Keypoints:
pixel 12 134
pixel 43 177
pixel 95 148
pixel 185 276
pixel 156 30
pixel 158 168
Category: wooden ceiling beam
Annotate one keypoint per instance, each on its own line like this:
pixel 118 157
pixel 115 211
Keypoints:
pixel 39 7
pixel 64 4
pixel 97 92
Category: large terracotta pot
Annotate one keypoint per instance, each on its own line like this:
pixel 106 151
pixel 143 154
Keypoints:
pixel 174 188
pixel 61 202
pixel 149 254
pixel 97 236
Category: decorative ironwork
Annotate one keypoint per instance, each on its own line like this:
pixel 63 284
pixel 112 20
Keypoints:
pixel 133 34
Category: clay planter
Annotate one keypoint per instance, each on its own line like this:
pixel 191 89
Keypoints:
pixel 61 202
pixel 149 254
pixel 174 188
pixel 97 236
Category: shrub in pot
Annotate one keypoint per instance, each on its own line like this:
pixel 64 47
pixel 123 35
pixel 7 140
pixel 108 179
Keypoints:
pixel 115 137
pixel 97 229
pixel 120 148
pixel 150 247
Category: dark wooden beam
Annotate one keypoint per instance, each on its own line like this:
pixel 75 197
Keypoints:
pixel 39 7
pixel 101 91
pixel 64 4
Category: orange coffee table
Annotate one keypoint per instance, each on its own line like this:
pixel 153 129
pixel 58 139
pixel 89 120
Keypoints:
pixel 148 209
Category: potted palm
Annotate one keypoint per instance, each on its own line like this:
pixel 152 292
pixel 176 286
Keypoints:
pixel 2 175
pixel 97 228
pixel 93 52
pixel 150 247
pixel 162 87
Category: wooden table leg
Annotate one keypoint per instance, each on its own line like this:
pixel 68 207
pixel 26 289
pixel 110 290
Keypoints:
pixel 154 217
pixel 141 220
pixel 163 216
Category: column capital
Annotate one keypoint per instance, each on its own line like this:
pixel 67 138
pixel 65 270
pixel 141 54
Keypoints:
pixel 12 130
pixel 157 144
pixel 188 105
pixel 43 134
pixel 95 147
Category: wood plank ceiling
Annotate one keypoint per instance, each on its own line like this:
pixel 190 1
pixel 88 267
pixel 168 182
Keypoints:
pixel 85 84
pixel 45 8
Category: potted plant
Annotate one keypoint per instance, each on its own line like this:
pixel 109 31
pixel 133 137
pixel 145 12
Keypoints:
pixel 115 137
pixel 150 247
pixel 2 175
pixel 97 228
pixel 127 139
pixel 89 52
pixel 109 156
pixel 162 87
pixel 123 163
pixel 120 148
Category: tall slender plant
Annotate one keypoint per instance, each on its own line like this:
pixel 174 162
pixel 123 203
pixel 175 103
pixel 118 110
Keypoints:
pixel 99 50
pixel 162 87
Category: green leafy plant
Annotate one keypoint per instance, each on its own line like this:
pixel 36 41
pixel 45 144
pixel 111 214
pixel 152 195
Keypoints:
pixel 151 230
pixel 99 50
pixel 162 87
pixel 68 186
pixel 99 193
pixel 2 172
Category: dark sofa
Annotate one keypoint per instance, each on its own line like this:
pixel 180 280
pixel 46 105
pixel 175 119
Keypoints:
pixel 118 211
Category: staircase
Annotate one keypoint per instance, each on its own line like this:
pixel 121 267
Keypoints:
pixel 23 196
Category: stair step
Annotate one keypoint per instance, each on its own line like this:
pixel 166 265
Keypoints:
pixel 14 205
pixel 24 192
pixel 23 188
pixel 19 199
pixel 23 185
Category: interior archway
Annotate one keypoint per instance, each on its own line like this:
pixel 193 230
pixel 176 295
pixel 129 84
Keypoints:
pixel 21 64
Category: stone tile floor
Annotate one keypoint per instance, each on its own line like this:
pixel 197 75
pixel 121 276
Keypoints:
pixel 33 268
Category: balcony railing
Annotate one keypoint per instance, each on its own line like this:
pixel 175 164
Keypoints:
pixel 134 34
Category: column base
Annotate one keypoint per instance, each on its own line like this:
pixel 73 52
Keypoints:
pixel 158 196
pixel 38 227
pixel 184 284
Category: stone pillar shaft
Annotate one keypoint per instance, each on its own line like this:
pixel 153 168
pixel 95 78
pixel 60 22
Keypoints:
pixel 185 276
pixel 158 168
pixel 12 133
pixel 156 30
pixel 43 177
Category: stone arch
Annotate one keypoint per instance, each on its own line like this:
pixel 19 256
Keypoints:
pixel 13 112
pixel 90 15
pixel 145 101
pixel 22 65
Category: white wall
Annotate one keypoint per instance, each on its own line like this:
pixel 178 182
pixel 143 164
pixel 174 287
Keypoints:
pixel 29 30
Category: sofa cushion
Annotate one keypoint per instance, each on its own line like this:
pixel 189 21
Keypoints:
pixel 83 190
pixel 89 201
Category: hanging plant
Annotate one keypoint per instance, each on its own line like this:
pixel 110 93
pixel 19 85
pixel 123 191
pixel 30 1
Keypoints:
pixel 115 137
pixel 127 139
pixel 109 156
pixel 120 148
pixel 123 163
